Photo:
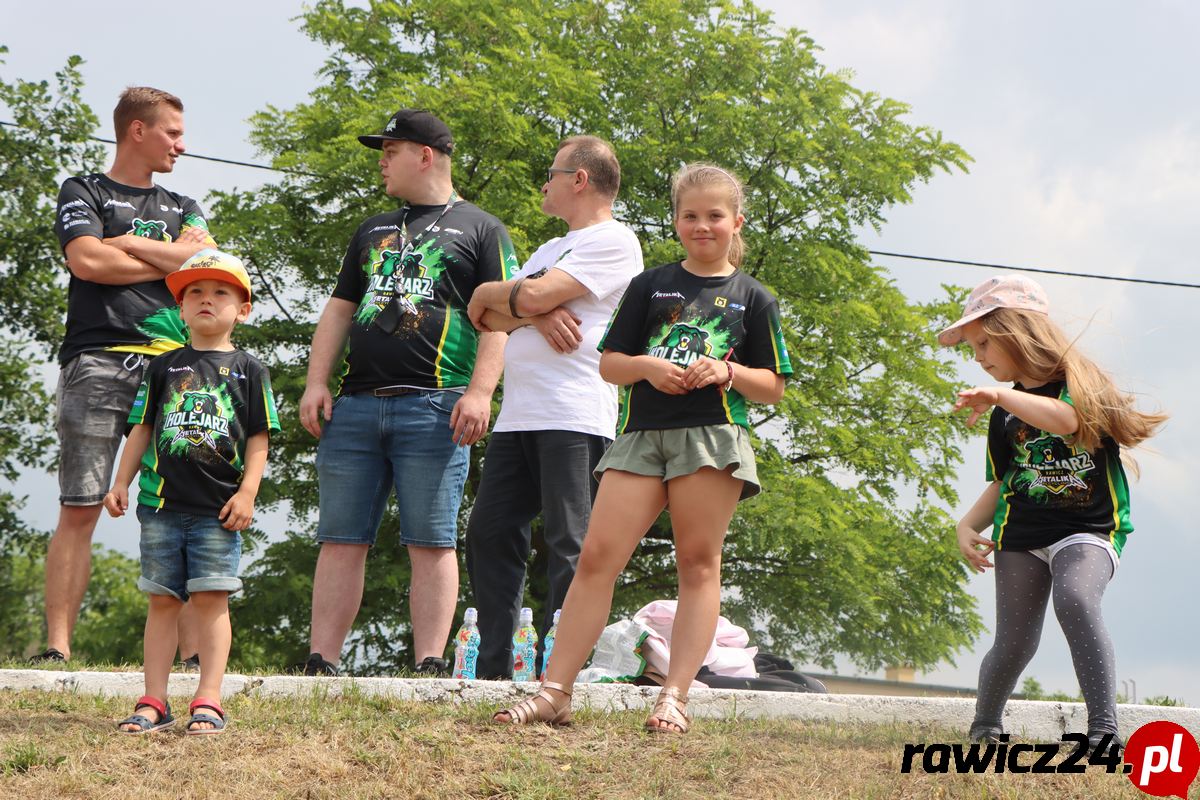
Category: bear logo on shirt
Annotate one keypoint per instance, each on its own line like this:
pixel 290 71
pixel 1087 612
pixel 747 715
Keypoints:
pixel 683 345
pixel 197 418
pixel 149 229
pixel 406 273
pixel 1056 466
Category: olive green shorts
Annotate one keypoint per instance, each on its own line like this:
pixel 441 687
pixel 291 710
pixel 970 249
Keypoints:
pixel 674 452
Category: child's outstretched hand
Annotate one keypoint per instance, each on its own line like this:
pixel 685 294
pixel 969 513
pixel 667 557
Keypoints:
pixel 979 400
pixel 116 501
pixel 238 513
pixel 975 548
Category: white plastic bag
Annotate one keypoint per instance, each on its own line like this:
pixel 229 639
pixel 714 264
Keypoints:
pixel 619 654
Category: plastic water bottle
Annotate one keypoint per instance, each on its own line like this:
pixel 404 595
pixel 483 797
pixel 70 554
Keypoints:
pixel 525 647
pixel 466 646
pixel 548 643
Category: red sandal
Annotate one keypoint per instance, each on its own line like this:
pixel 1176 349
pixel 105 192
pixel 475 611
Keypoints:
pixel 217 722
pixel 144 723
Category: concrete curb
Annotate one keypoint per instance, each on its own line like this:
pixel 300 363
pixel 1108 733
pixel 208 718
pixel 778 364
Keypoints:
pixel 1038 720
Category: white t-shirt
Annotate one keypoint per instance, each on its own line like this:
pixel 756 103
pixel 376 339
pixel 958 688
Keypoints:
pixel 546 390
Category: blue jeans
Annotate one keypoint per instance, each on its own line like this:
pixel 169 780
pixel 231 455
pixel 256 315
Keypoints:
pixel 185 553
pixel 373 445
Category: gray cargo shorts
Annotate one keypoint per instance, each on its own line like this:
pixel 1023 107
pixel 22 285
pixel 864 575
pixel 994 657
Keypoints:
pixel 95 392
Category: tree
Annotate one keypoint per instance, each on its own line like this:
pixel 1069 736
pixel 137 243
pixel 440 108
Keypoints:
pixel 49 138
pixel 850 549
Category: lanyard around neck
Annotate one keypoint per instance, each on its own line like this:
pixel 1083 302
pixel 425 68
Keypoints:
pixel 404 243
pixel 388 318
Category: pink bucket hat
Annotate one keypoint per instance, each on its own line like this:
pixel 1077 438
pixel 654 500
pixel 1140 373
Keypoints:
pixel 1002 291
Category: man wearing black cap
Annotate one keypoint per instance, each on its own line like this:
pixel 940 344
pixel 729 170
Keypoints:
pixel 416 392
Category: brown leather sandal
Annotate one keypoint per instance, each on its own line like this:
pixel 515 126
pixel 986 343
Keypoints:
pixel 528 711
pixel 671 708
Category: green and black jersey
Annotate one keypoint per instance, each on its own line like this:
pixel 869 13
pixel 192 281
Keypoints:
pixel 137 318
pixel 433 346
pixel 1050 488
pixel 203 406
pixel 672 314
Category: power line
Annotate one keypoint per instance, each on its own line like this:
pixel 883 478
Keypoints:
pixel 1035 269
pixel 203 158
pixel 1005 267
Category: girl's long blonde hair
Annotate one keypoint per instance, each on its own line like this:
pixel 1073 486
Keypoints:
pixel 701 175
pixel 1041 351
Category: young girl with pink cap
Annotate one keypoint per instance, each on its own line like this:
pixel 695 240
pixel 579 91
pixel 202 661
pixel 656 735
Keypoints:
pixel 1057 498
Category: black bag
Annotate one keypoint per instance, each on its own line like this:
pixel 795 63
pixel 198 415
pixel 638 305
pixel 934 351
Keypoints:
pixel 775 674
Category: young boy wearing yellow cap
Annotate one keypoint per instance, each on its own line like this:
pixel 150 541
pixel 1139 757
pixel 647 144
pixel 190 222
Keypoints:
pixel 201 422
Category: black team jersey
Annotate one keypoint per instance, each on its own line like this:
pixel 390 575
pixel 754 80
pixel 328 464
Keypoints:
pixel 1049 488
pixel 433 344
pixel 670 313
pixel 137 318
pixel 203 406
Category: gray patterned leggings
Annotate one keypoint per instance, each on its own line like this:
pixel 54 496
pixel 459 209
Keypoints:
pixel 1023 585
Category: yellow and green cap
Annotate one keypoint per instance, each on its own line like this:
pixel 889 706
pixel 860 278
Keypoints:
pixel 209 264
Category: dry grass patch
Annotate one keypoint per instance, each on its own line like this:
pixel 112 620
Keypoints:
pixel 64 745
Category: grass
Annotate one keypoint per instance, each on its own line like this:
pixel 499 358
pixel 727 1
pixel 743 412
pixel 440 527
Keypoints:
pixel 79 665
pixel 64 745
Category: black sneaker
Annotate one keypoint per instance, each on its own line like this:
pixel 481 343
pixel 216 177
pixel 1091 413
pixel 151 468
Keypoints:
pixel 48 656
pixel 314 666
pixel 191 663
pixel 987 734
pixel 434 667
pixel 1113 745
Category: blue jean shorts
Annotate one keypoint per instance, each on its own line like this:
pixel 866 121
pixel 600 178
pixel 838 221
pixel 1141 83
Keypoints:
pixel 185 553
pixel 373 445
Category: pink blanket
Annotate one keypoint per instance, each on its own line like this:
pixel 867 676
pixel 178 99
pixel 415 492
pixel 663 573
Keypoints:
pixel 728 654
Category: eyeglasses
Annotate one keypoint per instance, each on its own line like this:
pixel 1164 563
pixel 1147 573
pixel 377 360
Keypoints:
pixel 550 172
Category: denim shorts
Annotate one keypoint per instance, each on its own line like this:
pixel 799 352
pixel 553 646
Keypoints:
pixel 673 452
pixel 185 553
pixel 373 445
pixel 95 392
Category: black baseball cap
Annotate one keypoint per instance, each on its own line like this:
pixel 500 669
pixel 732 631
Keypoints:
pixel 413 125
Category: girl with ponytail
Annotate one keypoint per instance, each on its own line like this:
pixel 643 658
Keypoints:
pixel 1057 499
pixel 694 341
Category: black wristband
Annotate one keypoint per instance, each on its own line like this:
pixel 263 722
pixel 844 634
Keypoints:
pixel 512 299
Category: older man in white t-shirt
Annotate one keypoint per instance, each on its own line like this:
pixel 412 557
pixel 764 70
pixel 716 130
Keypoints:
pixel 558 415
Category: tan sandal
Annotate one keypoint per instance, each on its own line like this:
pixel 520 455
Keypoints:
pixel 671 708
pixel 528 711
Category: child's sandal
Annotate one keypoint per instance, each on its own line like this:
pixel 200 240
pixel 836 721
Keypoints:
pixel 671 708
pixel 528 711
pixel 144 723
pixel 217 722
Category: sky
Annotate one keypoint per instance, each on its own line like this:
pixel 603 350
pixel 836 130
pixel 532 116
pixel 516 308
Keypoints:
pixel 1083 119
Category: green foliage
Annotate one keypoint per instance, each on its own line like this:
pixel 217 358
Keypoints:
pixel 113 615
pixel 49 139
pixel 49 142
pixel 21 556
pixel 849 550
pixel 23 757
pixel 1031 689
pixel 835 556
pixel 1163 700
